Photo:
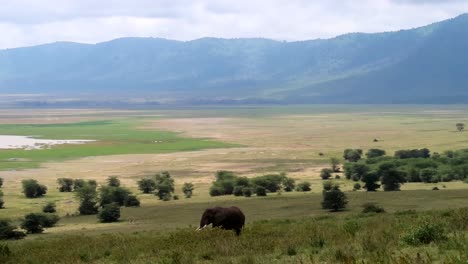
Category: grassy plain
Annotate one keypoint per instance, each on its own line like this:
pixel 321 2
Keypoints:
pixel 260 140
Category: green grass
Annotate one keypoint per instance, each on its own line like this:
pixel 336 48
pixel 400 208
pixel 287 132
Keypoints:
pixel 113 137
pixel 357 238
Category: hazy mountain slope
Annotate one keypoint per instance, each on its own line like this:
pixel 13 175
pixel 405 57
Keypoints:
pixel 403 66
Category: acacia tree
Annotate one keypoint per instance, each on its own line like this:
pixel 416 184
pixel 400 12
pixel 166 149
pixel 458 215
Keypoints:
pixel 164 185
pixel 146 185
pixel 32 189
pixel 334 199
pixel 87 195
pixel 460 127
pixel 370 180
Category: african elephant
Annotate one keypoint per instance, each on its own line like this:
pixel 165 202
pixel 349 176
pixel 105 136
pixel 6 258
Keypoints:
pixel 230 218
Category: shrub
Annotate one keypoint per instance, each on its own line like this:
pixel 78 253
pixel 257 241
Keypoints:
pixel 7 230
pixel 113 181
pixel 238 191
pixel 289 184
pixel 78 183
pixel 271 182
pixel 109 213
pixel 1 182
pixel 36 222
pixel 303 187
pixel 335 162
pixel 391 177
pixel 87 195
pixel 260 191
pixel 374 153
pixel 327 185
pixel 132 201
pixel 216 190
pixel 413 153
pixel 247 191
pixel 370 180
pixel 2 203
pixel 146 185
pixel 49 208
pixel 187 189
pixel 425 233
pixel 164 185
pixel 357 186
pixel 352 155
pixel 435 188
pixel 326 173
pixel 175 197
pixel 65 184
pixel 428 175
pixel 334 199
pixel 112 194
pixel 372 208
pixel 32 189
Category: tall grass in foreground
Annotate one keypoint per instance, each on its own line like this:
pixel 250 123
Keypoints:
pixel 404 237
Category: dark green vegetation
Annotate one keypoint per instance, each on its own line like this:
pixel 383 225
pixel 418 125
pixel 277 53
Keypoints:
pixel 425 65
pixel 227 183
pixel 32 189
pixel 414 165
pixel 402 237
pixel 113 137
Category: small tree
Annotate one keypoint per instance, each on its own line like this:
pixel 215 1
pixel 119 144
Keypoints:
pixel 32 189
pixel 78 183
pixel 460 127
pixel 374 153
pixel 391 177
pixel 326 173
pixel 113 181
pixel 65 184
pixel 112 194
pixel 303 187
pixel 49 208
pixel 187 189
pixel 352 155
pixel 289 184
pixel 87 195
pixel 146 185
pixel 238 190
pixel 370 180
pixel 109 213
pixel 327 185
pixel 335 164
pixel 164 186
pixel 247 191
pixel 132 201
pixel 1 182
pixel 7 230
pixel 2 202
pixel 334 199
pixel 260 191
pixel 36 222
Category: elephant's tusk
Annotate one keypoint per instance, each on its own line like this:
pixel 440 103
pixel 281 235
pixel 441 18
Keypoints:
pixel 200 228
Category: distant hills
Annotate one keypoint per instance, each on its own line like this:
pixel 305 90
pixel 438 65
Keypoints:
pixel 422 65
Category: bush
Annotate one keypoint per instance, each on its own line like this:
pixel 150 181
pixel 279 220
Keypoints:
pixel 113 181
pixel 425 233
pixel 238 191
pixel 164 185
pixel 303 187
pixel 132 201
pixel 357 186
pixel 65 184
pixel 187 189
pixel 289 184
pixel 352 155
pixel 175 197
pixel 326 173
pixel 2 203
pixel 372 208
pixel 109 213
pixel 32 189
pixel 78 183
pixel 7 231
pixel 247 191
pixel 112 194
pixel 146 185
pixel 36 222
pixel 260 191
pixel 49 208
pixel 216 190
pixel 334 199
pixel 87 195
pixel 1 182
pixel 271 182
pixel 374 153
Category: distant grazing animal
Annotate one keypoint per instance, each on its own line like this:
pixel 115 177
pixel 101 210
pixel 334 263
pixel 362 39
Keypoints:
pixel 230 218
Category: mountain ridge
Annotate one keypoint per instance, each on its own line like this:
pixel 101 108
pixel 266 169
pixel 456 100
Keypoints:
pixel 404 66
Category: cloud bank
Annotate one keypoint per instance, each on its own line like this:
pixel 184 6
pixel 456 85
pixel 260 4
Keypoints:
pixel 32 22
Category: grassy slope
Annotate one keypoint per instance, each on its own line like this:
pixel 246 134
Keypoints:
pixel 114 137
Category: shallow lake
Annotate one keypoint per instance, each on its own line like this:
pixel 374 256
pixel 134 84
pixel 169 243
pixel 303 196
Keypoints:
pixel 30 143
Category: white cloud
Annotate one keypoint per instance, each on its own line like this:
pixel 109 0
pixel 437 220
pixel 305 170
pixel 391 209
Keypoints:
pixel 30 22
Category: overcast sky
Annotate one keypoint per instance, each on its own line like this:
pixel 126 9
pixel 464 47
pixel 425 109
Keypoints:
pixel 31 22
